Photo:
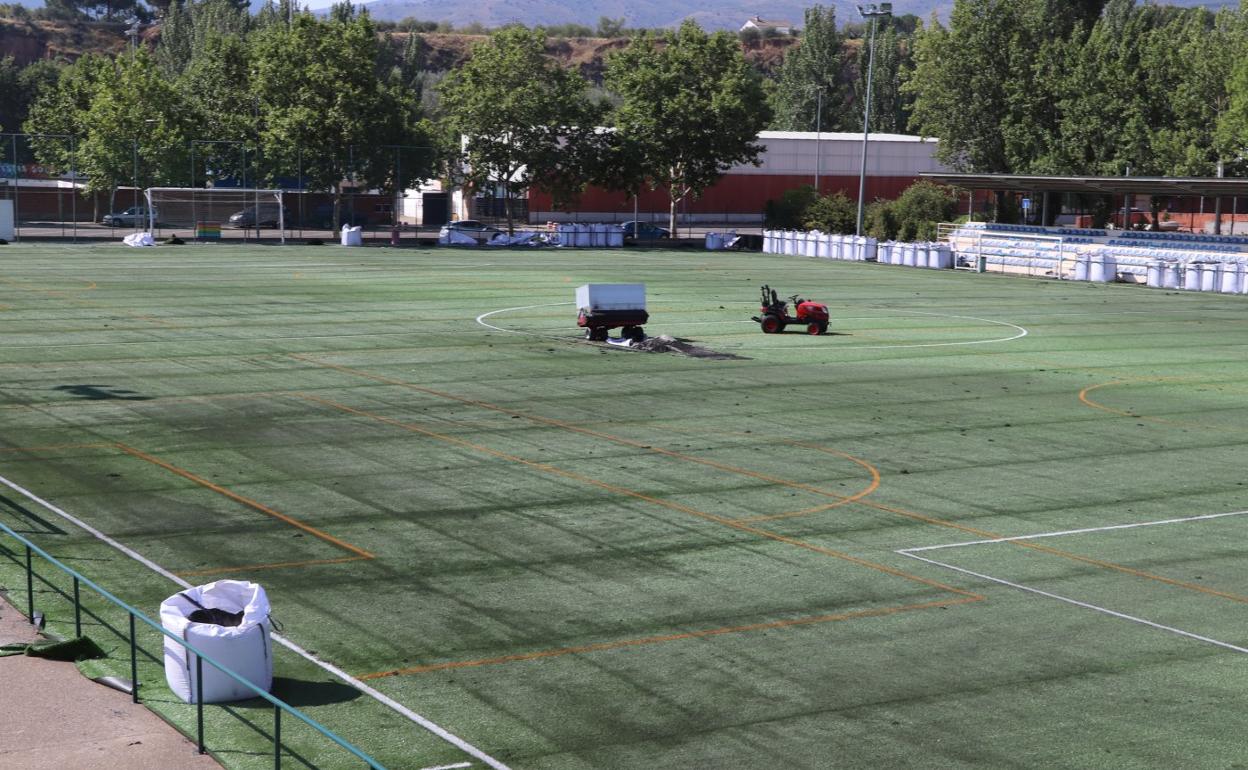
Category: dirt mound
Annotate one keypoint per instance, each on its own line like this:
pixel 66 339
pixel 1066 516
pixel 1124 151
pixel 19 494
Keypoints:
pixel 667 344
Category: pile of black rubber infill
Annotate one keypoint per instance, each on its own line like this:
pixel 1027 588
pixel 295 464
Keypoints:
pixel 668 344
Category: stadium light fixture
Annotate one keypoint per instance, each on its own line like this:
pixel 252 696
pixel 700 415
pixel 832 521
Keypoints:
pixel 872 11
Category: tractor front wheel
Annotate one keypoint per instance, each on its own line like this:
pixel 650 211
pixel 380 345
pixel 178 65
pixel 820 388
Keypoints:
pixel 771 324
pixel 817 327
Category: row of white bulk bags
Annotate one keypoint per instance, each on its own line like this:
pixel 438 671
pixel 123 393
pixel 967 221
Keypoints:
pixel 937 256
pixel 1097 268
pixel 814 243
pixel 590 235
pixel 1223 277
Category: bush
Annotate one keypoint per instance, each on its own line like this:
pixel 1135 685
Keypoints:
pixel 834 213
pixel 789 213
pixel 920 208
pixel 878 221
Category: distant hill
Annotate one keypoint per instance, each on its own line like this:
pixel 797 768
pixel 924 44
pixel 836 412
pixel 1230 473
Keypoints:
pixel 716 14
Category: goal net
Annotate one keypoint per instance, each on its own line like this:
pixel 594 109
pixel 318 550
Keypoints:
pixel 205 211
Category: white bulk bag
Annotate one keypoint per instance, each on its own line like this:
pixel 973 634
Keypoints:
pixel 139 239
pixel 244 649
pixel 351 235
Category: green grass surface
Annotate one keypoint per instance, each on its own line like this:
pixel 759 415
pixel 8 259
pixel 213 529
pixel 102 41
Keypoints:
pixel 577 556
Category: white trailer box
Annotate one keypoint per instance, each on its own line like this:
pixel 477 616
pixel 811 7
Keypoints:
pixel 598 297
pixel 603 306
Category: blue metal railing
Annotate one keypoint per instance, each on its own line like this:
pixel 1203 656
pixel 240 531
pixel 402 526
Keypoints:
pixel 135 615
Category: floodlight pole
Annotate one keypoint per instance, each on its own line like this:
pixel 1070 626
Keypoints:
pixel 818 134
pixel 870 11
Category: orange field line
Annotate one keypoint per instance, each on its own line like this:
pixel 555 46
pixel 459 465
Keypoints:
pixel 60 294
pixel 577 429
pixel 635 494
pixel 602 646
pixel 277 565
pixel 1087 401
pixel 874 485
pixel 246 501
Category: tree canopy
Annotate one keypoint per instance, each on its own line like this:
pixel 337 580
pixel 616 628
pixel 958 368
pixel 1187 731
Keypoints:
pixel 691 108
pixel 525 119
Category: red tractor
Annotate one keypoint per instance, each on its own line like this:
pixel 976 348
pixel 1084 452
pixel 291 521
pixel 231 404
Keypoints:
pixel 774 313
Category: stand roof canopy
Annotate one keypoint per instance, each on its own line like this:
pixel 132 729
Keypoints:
pixel 1208 187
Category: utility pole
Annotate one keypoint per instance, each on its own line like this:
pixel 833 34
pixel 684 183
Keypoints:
pixel 870 11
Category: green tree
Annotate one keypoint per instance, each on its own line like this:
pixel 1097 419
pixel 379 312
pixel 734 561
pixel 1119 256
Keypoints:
pixel 890 107
pixel 812 75
pixel 693 108
pixel 1109 109
pixel 129 120
pixel 525 119
pixel 219 75
pixel 1231 137
pixel 136 124
pixel 322 107
pixel 834 213
pixel 984 85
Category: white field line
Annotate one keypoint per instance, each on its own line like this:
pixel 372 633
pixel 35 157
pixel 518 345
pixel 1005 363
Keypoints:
pixel 1021 331
pixel 399 708
pixel 1062 533
pixel 455 766
pixel 913 554
pixel 1085 605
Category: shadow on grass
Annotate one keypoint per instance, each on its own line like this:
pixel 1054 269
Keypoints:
pixel 101 393
pixel 302 693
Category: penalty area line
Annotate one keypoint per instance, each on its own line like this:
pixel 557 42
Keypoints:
pixel 1077 603
pixel 392 704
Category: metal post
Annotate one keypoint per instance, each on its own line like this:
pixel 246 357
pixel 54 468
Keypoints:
pixel 77 610
pixel 818 136
pixel 134 663
pixel 869 11
pixel 17 188
pixel 73 181
pixel 277 737
pixel 1217 207
pixel 30 584
pixel 136 182
pixel 199 703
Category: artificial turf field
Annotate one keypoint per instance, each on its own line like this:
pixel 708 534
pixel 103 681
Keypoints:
pixel 571 555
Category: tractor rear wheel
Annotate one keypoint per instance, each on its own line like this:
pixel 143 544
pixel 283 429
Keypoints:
pixel 771 324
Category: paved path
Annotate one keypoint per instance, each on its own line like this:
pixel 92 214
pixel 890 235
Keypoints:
pixel 53 718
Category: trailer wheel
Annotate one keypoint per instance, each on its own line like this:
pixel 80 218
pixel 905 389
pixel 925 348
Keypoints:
pixel 771 324
pixel 598 334
pixel 634 333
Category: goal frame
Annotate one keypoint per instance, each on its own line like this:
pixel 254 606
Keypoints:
pixel 256 195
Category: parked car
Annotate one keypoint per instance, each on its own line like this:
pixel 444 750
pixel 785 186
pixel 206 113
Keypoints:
pixel 135 216
pixel 644 231
pixel 478 230
pixel 266 214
